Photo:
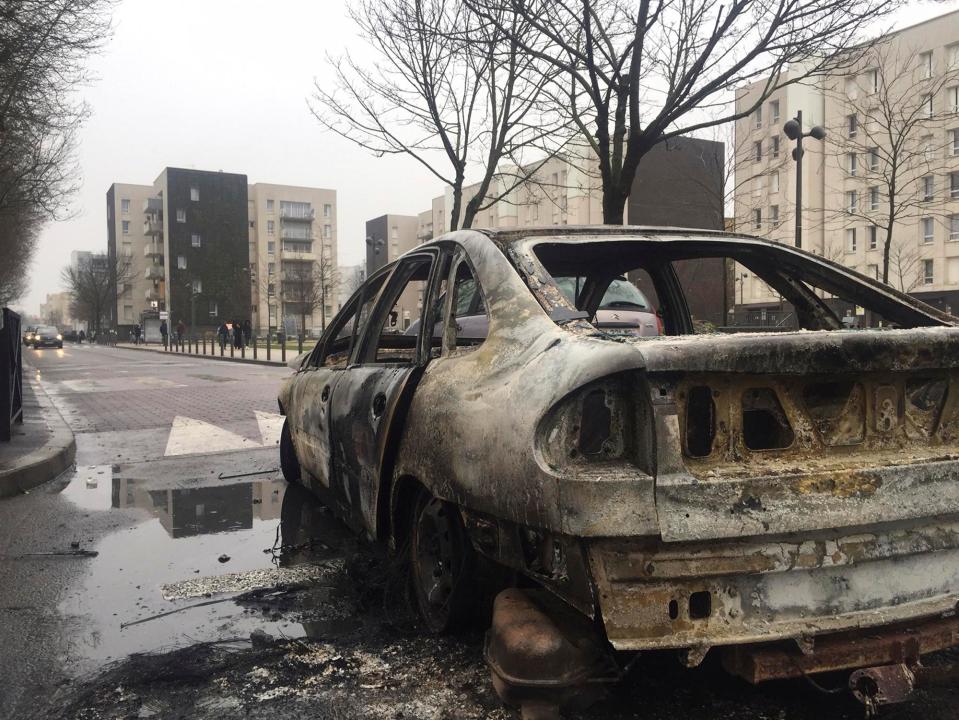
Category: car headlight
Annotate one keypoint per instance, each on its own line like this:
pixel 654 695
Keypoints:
pixel 59 337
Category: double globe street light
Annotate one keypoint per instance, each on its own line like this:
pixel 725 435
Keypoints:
pixel 793 130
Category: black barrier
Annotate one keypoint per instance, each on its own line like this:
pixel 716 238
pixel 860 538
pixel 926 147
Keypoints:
pixel 11 373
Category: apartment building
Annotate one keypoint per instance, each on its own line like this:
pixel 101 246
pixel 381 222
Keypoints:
pixel 388 237
pixel 56 310
pixel 293 253
pixel 207 247
pixel 847 177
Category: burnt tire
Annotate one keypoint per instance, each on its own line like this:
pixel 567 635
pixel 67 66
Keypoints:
pixel 289 463
pixel 441 564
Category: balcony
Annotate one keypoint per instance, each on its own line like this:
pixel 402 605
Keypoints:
pixel 298 215
pixel 153 250
pixel 295 234
pixel 154 272
pixel 153 227
pixel 153 294
pixel 153 206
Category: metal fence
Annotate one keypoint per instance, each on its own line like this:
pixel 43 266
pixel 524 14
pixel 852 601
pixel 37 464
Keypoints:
pixel 272 348
pixel 11 373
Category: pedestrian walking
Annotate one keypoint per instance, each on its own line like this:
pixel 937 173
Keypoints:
pixel 180 332
pixel 82 336
pixel 237 334
pixel 137 330
pixel 224 333
pixel 164 331
pixel 247 332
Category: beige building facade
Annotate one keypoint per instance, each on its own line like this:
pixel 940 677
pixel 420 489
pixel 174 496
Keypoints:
pixel 127 213
pixel 293 256
pixel 56 310
pixel 891 116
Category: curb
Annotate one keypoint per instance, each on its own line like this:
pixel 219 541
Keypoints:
pixel 225 358
pixel 46 462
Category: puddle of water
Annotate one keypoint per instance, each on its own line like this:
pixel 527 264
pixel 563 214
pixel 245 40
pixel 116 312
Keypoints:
pixel 196 534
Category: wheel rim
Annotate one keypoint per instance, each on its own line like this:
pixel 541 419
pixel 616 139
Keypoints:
pixel 435 559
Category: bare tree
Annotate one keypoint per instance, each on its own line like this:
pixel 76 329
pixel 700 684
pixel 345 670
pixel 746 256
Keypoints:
pixel 43 48
pixel 635 73
pixel 307 286
pixel 451 91
pixel 904 262
pixel 94 286
pixel 893 137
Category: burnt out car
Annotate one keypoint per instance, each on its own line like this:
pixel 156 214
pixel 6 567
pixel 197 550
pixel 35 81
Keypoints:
pixel 789 500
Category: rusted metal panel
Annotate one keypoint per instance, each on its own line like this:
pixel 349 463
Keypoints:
pixel 885 646
pixel 789 587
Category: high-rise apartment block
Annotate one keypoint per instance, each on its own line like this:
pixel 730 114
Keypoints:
pixel 206 248
pixel 892 148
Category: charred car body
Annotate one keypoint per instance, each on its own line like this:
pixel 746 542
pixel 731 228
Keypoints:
pixel 790 498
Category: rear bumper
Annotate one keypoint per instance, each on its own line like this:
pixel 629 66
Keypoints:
pixel 657 595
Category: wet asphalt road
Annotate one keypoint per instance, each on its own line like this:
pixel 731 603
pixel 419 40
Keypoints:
pixel 156 625
pixel 155 436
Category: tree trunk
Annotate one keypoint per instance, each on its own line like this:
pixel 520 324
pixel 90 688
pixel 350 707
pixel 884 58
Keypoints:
pixel 614 206
pixel 890 223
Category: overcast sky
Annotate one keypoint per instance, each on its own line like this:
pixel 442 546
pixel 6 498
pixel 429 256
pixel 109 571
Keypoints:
pixel 223 85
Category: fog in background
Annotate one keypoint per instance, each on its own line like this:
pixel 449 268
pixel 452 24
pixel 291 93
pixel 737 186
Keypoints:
pixel 223 85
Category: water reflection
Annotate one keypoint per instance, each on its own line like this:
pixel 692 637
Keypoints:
pixel 202 510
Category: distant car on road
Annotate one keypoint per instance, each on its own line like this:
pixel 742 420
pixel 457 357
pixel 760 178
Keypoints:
pixel 46 336
pixel 28 334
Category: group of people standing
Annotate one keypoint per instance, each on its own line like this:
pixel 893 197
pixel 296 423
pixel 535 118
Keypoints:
pixel 237 333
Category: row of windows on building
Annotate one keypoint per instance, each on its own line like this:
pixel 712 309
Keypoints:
pixel 927 233
pixel 927 192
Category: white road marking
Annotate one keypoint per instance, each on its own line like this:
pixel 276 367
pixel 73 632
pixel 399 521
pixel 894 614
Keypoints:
pixel 189 436
pixel 271 425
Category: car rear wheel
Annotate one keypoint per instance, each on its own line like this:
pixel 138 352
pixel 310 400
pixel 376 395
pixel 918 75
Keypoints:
pixel 288 461
pixel 441 565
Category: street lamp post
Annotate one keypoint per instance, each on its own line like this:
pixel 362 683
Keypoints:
pixel 793 130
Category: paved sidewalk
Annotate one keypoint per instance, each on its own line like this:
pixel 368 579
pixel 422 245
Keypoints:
pixel 42 446
pixel 260 360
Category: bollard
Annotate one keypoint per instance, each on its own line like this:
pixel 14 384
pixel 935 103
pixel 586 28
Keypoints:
pixel 243 350
pixel 204 344
pixel 283 350
pixel 231 349
pixel 254 347
pixel 299 344
pixel 221 348
pixel 269 344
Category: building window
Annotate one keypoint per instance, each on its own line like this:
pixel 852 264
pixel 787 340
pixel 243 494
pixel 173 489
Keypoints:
pixel 759 116
pixel 128 313
pixel 270 227
pixel 927 105
pixel 327 210
pixel 954 185
pixel 125 206
pixel 928 188
pixel 214 310
pixel 774 182
pixel 126 227
pixel 873 237
pixel 852 125
pixel 270 268
pixel 872 81
pixel 874 198
pixel 181 262
pixel 928 230
pixel 925 64
pixel 952 98
pixel 850 240
pixel 874 159
pixel 758 150
pixel 954 227
pixel 955 142
pixel 252 224
pixel 774 215
pixel 852 163
pixel 774 146
pixel 852 88
pixel 181 215
pixel 774 111
pixel 852 201
pixel 271 247
pixel 195 194
pixel 757 219
pixel 127 249
pixel 927 272
pixel 327 232
pixel 195 240
pixel 872 271
pixel 952 56
pixel 928 148
pixel 269 205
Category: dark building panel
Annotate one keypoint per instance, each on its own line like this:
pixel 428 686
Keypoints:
pixel 213 207
pixel 377 243
pixel 679 183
